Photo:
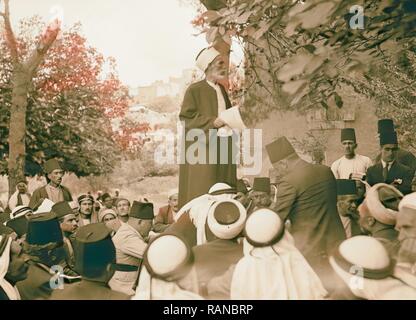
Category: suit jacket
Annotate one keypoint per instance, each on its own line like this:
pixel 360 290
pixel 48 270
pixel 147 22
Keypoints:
pixel 397 171
pixel 199 111
pixel 36 286
pixel 405 157
pixel 307 196
pixel 163 219
pixel 87 290
pixel 41 193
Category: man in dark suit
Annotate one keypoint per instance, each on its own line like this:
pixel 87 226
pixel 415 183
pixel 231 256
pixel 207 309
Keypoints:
pixel 405 157
pixel 95 256
pixel 307 197
pixel 389 170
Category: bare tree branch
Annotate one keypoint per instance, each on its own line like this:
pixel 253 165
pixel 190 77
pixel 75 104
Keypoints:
pixel 11 40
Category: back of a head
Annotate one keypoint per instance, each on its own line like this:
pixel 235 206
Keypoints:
pixel 168 257
pixel 94 250
pixel 264 228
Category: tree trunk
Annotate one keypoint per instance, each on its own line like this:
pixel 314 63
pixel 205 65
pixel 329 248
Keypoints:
pixel 17 129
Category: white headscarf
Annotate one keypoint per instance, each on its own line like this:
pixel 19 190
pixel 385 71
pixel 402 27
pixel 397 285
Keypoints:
pixel 277 272
pixel 150 288
pixel 10 291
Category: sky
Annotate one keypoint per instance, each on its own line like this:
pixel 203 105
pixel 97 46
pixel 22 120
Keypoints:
pixel 150 40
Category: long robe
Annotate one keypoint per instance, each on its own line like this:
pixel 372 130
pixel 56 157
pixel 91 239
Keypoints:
pixel 199 111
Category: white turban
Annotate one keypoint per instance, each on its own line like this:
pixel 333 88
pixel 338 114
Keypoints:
pixel 205 57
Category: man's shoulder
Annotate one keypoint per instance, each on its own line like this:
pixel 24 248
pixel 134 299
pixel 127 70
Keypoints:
pixel 198 85
pixel 125 231
pixel 164 210
pixel 363 158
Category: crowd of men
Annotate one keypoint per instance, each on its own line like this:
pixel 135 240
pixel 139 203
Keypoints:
pixel 345 232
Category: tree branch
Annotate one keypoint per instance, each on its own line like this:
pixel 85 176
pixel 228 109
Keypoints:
pixel 10 38
pixel 45 42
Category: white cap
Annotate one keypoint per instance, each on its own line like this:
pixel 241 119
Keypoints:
pixel 262 226
pixel 225 230
pixel 408 201
pixel 20 211
pixel 205 58
pixel 218 187
pixel 166 253
pixel 365 252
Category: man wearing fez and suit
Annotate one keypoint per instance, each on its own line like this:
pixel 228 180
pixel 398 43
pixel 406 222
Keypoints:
pixel 403 156
pixel 95 257
pixel 307 197
pixel 44 247
pixel 53 191
pixel 347 207
pixel 389 170
pixel 350 162
pixel 130 242
pixel 202 103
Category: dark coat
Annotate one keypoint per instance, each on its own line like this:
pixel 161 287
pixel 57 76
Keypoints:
pixel 36 286
pixel 199 111
pixel 213 258
pixel 397 171
pixel 87 290
pixel 307 196
pixel 405 158
pixel 41 193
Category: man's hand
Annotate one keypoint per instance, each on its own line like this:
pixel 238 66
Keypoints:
pixel 218 123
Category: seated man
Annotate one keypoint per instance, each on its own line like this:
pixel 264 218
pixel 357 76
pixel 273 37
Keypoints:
pixel 123 208
pixel 378 215
pixel 69 225
pixel 272 267
pixel 225 222
pixel 261 193
pixel 86 214
pixel 368 276
pixel 347 207
pixel 130 242
pixel 13 268
pixel 167 260
pixel 95 256
pixel 44 249
pixel 167 214
pixel 193 215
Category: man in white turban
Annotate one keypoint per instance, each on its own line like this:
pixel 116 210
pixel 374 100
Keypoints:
pixel 272 267
pixel 167 260
pixel 365 267
pixel 192 217
pixel 202 104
